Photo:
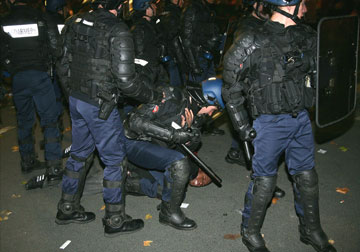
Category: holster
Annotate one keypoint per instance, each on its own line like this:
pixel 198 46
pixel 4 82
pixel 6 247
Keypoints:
pixel 107 104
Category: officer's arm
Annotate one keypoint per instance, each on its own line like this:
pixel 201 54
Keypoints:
pixel 63 62
pixel 53 35
pixel 236 67
pixel 123 67
pixel 139 41
pixel 188 31
pixel 144 126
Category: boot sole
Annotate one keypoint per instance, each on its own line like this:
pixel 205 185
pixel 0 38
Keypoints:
pixel 231 161
pixel 121 233
pixel 308 242
pixel 179 228
pixel 65 222
pixel 251 248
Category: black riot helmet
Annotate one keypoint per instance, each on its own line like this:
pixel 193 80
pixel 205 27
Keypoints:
pixel 107 4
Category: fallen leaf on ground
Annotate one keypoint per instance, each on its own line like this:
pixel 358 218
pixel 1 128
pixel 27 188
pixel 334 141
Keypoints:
pixel 24 182
pixel 1 219
pixel 67 129
pixel 147 243
pixel 274 200
pixel 342 201
pixel 6 129
pixel 343 149
pixel 342 190
pixel 15 148
pixel 331 242
pixel 102 208
pixel 148 216
pixel 15 196
pixel 332 142
pixel 232 236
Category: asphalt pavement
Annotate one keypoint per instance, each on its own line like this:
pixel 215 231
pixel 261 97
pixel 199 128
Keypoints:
pixel 27 218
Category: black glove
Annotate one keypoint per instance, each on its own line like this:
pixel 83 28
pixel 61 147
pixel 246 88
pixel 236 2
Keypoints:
pixel 247 133
pixel 182 136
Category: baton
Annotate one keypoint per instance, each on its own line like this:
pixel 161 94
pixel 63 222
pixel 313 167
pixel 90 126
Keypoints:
pixel 247 149
pixel 215 178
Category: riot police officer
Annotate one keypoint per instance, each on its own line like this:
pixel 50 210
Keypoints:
pixel 147 42
pixel 272 69
pixel 201 37
pixel 29 39
pixel 97 60
pixel 155 146
pixel 170 20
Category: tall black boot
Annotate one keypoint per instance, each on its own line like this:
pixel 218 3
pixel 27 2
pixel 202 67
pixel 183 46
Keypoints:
pixel 262 193
pixel 116 222
pixel 69 208
pixel 170 212
pixel 311 232
pixel 29 163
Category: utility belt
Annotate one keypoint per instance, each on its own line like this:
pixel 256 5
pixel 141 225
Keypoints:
pixel 92 93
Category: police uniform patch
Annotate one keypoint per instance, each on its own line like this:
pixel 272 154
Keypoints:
pixel 22 31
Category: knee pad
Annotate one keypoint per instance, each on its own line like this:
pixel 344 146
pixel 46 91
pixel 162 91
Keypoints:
pixel 306 179
pixel 180 170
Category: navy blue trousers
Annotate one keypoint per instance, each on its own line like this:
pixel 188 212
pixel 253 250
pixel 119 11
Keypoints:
pixel 33 90
pixel 278 134
pixel 90 132
pixel 208 70
pixel 158 160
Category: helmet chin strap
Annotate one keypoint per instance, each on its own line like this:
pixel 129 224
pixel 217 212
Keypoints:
pixel 293 17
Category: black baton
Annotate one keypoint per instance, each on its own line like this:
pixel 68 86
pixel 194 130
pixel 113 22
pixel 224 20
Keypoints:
pixel 215 178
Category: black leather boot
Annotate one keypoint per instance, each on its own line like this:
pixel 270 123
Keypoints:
pixel 51 177
pixel 72 212
pixel 235 156
pixel 279 193
pixel 261 196
pixel 307 196
pixel 170 212
pixel 69 208
pixel 30 163
pixel 116 222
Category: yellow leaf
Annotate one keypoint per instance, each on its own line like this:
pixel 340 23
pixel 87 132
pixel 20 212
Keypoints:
pixel 331 241
pixel 148 216
pixel 102 208
pixel 147 243
pixel 15 148
pixel 1 219
pixel 342 190
pixel 24 182
pixel 67 129
pixel 343 149
pixel 14 196
pixel 6 218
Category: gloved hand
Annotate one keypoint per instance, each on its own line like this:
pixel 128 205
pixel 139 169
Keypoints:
pixel 247 133
pixel 182 136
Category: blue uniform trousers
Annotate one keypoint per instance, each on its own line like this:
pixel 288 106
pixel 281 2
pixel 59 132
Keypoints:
pixel 158 160
pixel 176 77
pixel 277 134
pixel 90 132
pixel 33 90
pixel 208 70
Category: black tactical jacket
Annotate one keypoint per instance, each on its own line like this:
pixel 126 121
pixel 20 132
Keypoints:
pixel 198 29
pixel 271 67
pixel 28 38
pixel 98 59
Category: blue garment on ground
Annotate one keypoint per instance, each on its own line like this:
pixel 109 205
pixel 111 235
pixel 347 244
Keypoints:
pixel 158 160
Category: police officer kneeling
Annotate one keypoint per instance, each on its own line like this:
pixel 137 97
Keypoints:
pixel 97 61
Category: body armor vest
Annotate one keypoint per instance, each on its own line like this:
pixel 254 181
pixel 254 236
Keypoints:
pixel 24 32
pixel 281 82
pixel 91 66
